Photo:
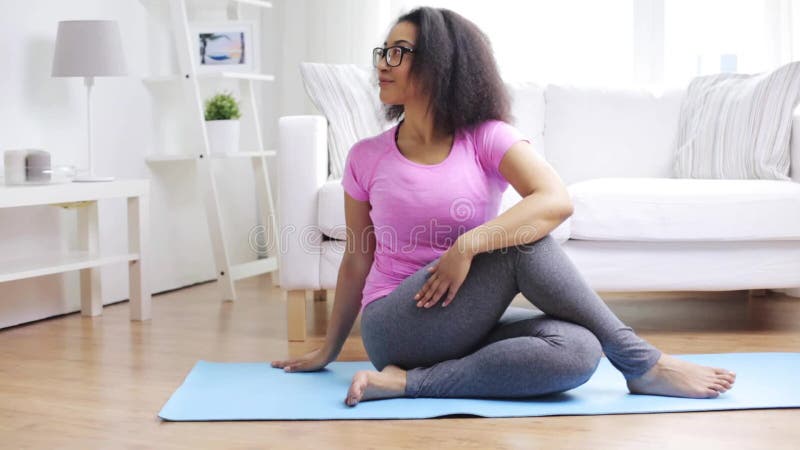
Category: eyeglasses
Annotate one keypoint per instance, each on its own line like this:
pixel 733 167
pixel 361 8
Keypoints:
pixel 394 55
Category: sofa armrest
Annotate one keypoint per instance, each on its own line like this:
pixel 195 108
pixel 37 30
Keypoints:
pixel 302 169
pixel 794 149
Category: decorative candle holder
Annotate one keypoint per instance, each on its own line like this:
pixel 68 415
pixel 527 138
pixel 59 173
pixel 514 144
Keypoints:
pixel 32 166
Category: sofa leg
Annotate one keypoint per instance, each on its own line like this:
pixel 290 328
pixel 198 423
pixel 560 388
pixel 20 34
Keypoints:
pixel 276 278
pixel 296 314
pixel 321 295
pixel 791 292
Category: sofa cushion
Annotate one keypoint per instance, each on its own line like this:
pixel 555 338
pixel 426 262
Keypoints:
pixel 614 132
pixel 675 209
pixel 331 218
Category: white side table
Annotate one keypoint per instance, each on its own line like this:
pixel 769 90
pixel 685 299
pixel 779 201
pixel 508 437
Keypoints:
pixel 89 257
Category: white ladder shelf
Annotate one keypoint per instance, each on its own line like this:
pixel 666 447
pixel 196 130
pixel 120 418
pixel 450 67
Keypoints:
pixel 227 273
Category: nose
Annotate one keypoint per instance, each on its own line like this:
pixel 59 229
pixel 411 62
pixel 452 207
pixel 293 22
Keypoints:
pixel 382 65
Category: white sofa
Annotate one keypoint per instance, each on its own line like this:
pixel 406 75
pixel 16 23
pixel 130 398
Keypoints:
pixel 634 227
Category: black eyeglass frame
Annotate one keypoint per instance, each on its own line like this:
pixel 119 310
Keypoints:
pixel 384 51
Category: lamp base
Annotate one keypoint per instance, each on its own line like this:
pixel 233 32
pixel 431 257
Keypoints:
pixel 91 179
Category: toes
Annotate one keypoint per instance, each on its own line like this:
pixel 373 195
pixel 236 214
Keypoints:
pixel 727 377
pixel 711 393
pixel 356 390
pixel 725 372
pixel 719 387
pixel 352 399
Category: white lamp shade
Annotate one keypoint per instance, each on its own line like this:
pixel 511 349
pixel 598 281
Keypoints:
pixel 88 48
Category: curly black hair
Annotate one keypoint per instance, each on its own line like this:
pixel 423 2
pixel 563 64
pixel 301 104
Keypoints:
pixel 454 66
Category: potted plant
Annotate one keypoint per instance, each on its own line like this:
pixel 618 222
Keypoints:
pixel 222 123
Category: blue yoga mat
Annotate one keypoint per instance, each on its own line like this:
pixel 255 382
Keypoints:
pixel 257 391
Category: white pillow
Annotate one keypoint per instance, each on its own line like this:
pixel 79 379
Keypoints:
pixel 348 96
pixel 595 132
pixel 737 126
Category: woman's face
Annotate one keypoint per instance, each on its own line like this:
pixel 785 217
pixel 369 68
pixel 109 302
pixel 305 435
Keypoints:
pixel 396 86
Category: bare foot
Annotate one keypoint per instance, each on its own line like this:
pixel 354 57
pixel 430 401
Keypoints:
pixel 674 377
pixel 370 385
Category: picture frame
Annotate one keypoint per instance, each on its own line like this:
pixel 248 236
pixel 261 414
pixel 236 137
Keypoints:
pixel 227 46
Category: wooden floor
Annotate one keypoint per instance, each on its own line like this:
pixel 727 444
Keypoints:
pixel 99 382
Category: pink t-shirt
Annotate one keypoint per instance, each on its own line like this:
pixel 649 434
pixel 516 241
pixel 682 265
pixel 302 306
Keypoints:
pixel 418 210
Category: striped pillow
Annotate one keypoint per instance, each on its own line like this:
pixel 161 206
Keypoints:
pixel 737 126
pixel 348 96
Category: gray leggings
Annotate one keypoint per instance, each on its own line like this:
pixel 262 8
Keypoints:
pixel 478 347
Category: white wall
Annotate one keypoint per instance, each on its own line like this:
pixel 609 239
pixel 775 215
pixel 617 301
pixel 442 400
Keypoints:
pixel 131 120
pixel 340 31
pixel 49 113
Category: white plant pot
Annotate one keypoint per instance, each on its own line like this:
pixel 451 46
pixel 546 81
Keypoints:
pixel 223 136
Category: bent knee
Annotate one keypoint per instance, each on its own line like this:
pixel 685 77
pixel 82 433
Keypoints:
pixel 585 349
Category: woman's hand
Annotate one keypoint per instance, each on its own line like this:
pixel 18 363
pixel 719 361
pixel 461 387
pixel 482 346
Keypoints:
pixel 446 277
pixel 310 362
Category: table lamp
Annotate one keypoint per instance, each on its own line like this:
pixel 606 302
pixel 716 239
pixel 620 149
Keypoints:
pixel 88 49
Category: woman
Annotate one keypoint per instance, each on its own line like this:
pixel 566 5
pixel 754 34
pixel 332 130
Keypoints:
pixel 433 267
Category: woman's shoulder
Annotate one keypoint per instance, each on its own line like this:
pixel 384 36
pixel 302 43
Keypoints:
pixel 372 147
pixel 486 130
pixel 377 140
pixel 489 124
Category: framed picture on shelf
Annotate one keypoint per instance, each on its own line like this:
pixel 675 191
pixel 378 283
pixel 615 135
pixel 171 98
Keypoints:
pixel 229 46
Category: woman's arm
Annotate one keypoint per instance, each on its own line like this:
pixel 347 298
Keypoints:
pixel 545 204
pixel 356 263
pixel 347 302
